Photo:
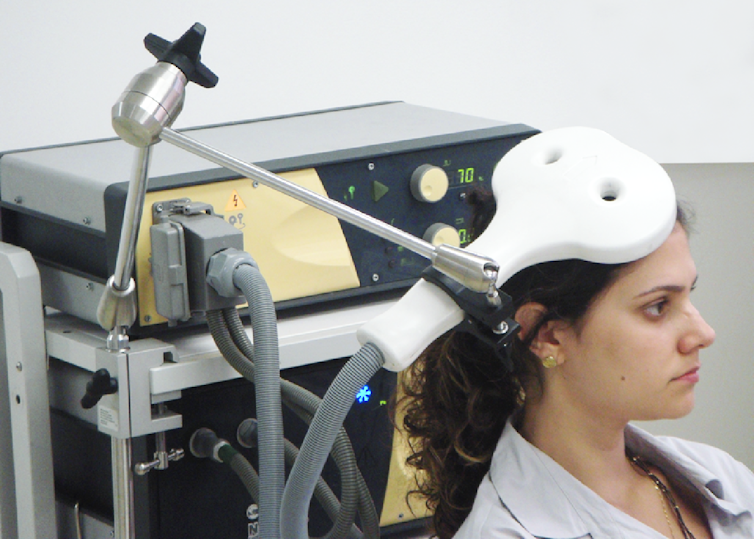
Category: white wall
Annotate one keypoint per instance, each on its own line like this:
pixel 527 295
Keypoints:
pixel 673 78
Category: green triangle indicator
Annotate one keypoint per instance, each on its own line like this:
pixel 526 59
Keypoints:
pixel 379 190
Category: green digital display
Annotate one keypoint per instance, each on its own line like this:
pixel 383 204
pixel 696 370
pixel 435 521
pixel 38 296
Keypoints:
pixel 463 236
pixel 465 176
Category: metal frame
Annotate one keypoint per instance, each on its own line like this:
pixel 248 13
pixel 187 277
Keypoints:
pixel 155 371
pixel 27 492
pixel 151 372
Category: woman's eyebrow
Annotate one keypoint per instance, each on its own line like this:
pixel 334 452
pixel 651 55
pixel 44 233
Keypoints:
pixel 667 288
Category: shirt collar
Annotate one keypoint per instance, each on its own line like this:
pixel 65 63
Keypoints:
pixel 662 451
pixel 527 480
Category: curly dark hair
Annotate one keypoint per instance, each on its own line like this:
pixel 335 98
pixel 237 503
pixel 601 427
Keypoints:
pixel 458 396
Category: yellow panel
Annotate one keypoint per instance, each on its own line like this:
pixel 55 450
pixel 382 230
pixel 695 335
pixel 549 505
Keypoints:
pixel 300 251
pixel 395 508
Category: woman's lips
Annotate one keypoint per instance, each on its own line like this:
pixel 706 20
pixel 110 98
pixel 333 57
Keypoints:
pixel 691 376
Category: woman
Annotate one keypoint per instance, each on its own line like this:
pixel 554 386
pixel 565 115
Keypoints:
pixel 547 451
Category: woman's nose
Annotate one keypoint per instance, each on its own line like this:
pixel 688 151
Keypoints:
pixel 700 334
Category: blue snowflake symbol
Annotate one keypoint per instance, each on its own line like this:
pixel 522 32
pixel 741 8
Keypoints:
pixel 363 394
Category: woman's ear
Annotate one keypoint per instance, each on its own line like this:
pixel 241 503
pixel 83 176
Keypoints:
pixel 546 342
pixel 528 316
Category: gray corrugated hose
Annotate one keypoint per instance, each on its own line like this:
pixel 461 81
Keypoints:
pixel 321 435
pixel 304 404
pixel 242 469
pixel 224 323
pixel 269 408
pixel 247 437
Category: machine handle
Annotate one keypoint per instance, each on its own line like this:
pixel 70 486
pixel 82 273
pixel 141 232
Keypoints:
pixel 184 53
pixel 100 385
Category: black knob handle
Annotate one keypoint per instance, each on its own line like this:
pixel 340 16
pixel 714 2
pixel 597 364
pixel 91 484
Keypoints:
pixel 101 384
pixel 184 53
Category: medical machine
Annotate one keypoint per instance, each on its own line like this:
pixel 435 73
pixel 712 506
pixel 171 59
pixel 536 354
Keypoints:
pixel 174 275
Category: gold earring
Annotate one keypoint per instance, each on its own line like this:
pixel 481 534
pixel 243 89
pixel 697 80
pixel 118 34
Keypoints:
pixel 549 362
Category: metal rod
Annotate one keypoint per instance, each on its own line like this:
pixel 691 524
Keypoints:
pixel 123 489
pixel 137 189
pixel 341 211
pixel 77 518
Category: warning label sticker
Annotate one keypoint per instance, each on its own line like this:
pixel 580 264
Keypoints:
pixel 234 202
pixel 108 417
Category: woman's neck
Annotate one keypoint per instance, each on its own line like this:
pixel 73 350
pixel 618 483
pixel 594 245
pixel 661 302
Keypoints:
pixel 585 445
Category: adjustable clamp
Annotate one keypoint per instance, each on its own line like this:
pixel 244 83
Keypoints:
pixel 491 320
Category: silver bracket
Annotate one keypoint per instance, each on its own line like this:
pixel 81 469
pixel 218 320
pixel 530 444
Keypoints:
pixel 129 412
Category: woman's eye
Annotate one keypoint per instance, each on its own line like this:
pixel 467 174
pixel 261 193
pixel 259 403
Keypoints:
pixel 657 308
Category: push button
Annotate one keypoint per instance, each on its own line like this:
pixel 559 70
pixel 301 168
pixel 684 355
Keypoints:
pixel 379 190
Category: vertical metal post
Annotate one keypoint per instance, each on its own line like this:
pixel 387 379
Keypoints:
pixel 117 307
pixel 137 189
pixel 123 489
pixel 27 491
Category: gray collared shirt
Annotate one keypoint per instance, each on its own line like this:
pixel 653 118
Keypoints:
pixel 526 494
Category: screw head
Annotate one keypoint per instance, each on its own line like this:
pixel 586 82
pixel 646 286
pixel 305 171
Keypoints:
pixel 19 200
pixel 370 166
pixel 375 277
pixel 501 329
pixel 87 221
pixel 19 366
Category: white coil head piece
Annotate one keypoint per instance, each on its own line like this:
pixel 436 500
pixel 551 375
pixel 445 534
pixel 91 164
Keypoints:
pixel 576 193
pixel 568 193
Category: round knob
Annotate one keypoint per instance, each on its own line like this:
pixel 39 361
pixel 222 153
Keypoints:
pixel 429 183
pixel 440 233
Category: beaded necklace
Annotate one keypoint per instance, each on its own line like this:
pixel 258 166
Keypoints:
pixel 666 498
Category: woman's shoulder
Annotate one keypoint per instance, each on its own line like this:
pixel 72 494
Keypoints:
pixel 722 475
pixel 490 518
pixel 713 459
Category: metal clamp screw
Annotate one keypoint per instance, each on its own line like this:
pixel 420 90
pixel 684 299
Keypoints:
pixel 502 329
pixel 160 462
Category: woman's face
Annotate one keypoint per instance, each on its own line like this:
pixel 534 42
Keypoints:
pixel 635 353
